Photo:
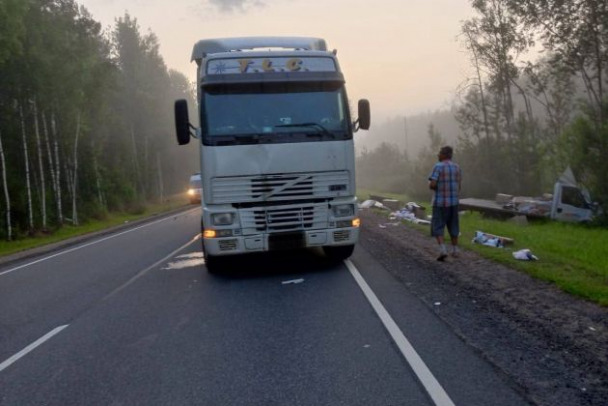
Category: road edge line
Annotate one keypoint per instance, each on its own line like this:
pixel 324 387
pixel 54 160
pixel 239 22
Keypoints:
pixel 96 241
pixel 424 374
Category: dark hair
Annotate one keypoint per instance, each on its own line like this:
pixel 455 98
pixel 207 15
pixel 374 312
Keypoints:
pixel 446 151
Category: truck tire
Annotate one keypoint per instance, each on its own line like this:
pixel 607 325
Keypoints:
pixel 211 262
pixel 338 253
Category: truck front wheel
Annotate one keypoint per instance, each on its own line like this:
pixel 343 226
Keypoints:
pixel 211 261
pixel 338 253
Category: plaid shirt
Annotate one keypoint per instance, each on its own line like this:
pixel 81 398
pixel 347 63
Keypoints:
pixel 447 174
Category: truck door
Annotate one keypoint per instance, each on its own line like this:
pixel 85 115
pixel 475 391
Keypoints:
pixel 570 204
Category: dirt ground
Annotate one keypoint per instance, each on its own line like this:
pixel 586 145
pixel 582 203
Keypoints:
pixel 551 345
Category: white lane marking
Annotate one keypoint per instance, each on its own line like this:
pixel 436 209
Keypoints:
pixel 154 265
pixel 31 347
pixel 89 244
pixel 431 385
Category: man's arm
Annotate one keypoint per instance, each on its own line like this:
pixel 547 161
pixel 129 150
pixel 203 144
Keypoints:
pixel 433 177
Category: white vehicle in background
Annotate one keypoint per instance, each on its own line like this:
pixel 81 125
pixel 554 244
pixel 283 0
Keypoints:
pixel 276 147
pixel 195 188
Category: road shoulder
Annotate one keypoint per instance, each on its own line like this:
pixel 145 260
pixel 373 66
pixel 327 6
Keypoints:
pixel 69 242
pixel 549 342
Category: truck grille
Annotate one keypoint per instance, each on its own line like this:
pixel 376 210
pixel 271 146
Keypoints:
pixel 280 187
pixel 342 235
pixel 284 218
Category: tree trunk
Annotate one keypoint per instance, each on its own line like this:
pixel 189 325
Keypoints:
pixel 41 166
pixel 75 174
pixel 138 182
pixel 45 130
pixel 100 197
pixel 484 108
pixel 57 170
pixel 9 228
pixel 27 172
pixel 161 189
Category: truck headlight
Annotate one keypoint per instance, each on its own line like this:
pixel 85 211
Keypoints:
pixel 191 192
pixel 222 219
pixel 343 210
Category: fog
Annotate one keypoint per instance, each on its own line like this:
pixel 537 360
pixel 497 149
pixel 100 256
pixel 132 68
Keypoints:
pixel 404 56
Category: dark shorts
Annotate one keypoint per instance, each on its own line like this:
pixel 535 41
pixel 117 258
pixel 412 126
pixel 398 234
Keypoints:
pixel 445 217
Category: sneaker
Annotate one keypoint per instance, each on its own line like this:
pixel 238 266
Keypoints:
pixel 442 256
pixel 455 253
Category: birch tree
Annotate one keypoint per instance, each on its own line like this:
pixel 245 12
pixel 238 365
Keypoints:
pixel 30 211
pixel 40 165
pixel 7 199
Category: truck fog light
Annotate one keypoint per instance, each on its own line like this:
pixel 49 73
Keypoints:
pixel 191 192
pixel 222 219
pixel 224 233
pixel 343 210
pixel 357 222
pixel 209 234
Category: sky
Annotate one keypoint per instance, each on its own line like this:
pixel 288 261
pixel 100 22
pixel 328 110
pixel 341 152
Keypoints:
pixel 405 56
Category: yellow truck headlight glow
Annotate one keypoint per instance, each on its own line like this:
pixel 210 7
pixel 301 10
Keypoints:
pixel 217 233
pixel 191 192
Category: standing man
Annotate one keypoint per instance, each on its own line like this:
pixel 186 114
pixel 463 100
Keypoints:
pixel 445 181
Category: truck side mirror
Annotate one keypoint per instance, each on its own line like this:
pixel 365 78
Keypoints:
pixel 364 115
pixel 182 123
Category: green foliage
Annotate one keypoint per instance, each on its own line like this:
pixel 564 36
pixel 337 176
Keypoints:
pixel 587 145
pixel 103 107
pixel 384 168
pixel 12 28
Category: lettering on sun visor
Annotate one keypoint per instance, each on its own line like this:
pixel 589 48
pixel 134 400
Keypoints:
pixel 266 65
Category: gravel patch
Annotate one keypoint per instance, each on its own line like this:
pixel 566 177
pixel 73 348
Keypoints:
pixel 552 345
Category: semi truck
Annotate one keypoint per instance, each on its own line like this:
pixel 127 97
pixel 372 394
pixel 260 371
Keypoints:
pixel 276 145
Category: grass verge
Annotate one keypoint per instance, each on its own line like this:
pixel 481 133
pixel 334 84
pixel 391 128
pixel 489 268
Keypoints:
pixel 571 256
pixel 69 231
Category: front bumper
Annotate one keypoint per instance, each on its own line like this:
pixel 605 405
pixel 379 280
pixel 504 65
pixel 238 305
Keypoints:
pixel 277 241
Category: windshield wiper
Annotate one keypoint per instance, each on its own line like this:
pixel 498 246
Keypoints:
pixel 317 126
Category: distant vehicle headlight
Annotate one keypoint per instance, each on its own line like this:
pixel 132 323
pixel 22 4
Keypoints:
pixel 222 219
pixel 343 210
pixel 191 192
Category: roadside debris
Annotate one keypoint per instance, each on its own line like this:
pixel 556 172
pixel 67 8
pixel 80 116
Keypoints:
pixel 411 212
pixel 491 240
pixel 372 203
pixel 293 281
pixel 568 202
pixel 525 255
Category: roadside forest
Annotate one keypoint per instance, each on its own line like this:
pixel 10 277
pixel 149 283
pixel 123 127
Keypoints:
pixel 85 118
pixel 536 103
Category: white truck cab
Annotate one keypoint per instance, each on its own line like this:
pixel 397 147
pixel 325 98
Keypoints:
pixel 276 146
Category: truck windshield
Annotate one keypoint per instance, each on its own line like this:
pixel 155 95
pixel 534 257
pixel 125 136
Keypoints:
pixel 275 113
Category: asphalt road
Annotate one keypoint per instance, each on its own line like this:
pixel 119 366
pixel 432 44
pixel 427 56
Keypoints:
pixel 133 318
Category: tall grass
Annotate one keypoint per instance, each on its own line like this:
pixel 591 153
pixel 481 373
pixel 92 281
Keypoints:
pixel 572 256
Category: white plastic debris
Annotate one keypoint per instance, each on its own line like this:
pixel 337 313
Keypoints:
pixel 487 239
pixel 525 255
pixel 367 204
pixel 293 281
